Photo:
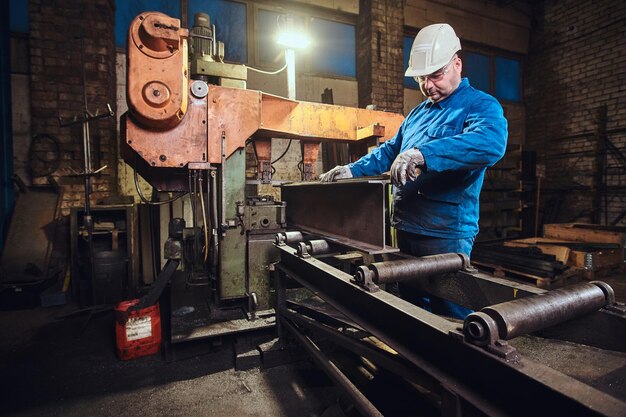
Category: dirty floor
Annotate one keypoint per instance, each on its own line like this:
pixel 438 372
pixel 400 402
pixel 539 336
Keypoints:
pixel 53 366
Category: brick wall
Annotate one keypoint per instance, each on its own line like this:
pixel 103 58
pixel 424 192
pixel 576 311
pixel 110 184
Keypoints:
pixel 57 30
pixel 575 68
pixel 380 69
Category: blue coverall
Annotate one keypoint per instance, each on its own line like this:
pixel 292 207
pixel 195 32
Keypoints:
pixel 459 138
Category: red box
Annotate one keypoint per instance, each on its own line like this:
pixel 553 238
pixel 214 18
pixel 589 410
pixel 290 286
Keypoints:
pixel 137 333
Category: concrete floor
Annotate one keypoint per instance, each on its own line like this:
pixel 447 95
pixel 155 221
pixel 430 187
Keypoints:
pixel 68 367
pixel 55 364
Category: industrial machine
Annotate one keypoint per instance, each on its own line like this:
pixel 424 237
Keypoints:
pixel 247 253
pixel 187 128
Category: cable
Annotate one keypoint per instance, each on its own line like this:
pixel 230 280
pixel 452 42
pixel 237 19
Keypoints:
pixel 283 154
pixel 204 216
pixel 194 214
pixel 268 72
pixel 152 203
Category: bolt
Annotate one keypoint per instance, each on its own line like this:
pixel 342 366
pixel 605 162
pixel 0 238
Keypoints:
pixel 162 158
pixel 156 93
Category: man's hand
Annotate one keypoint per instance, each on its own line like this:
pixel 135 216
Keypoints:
pixel 337 173
pixel 406 166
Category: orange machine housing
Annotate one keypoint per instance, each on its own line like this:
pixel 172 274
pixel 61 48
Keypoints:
pixel 170 125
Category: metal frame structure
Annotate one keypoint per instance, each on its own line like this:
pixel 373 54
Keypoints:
pixel 468 379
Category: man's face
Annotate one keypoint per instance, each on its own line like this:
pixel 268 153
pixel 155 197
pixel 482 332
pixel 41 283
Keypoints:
pixel 441 83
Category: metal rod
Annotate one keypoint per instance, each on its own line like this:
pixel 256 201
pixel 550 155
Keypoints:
pixel 214 214
pixel 290 57
pixel 360 401
pixel 392 362
pixel 223 168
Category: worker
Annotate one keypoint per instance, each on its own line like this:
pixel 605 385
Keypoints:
pixel 438 157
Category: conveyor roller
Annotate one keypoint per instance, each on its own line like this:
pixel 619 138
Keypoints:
pixel 402 270
pixel 526 315
pixel 369 276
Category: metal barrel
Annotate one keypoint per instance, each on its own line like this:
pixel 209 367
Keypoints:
pixel 405 269
pixel 530 314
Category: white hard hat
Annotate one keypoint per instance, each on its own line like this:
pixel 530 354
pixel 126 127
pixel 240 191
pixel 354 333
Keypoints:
pixel 433 47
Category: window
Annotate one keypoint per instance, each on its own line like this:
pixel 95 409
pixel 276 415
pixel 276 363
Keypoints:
pixel 230 22
pixel 494 74
pixel 333 50
pixel 508 79
pixel 409 82
pixel 477 68
pixel 18 16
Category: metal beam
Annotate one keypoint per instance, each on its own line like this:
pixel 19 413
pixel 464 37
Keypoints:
pixel 357 207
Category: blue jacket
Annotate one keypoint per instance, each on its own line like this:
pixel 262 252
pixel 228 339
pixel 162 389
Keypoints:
pixel 459 137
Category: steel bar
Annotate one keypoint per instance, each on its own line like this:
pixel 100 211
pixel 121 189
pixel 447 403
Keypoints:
pixel 538 267
pixel 330 209
pixel 522 256
pixel 465 369
pixel 360 401
pixel 530 314
pixel 392 362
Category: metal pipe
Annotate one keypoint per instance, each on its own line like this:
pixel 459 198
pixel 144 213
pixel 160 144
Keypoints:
pixel 214 53
pixel 204 217
pixel 530 314
pixel 223 169
pixel 290 57
pixel 390 361
pixel 214 214
pixel 405 269
pixel 360 401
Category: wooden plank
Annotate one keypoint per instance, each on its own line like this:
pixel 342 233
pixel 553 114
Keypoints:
pixel 503 272
pixel 569 231
pixel 600 259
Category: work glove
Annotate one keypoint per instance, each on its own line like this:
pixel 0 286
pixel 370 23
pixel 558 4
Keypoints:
pixel 337 173
pixel 406 166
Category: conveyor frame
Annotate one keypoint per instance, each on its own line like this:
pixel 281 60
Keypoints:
pixel 434 345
